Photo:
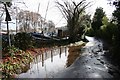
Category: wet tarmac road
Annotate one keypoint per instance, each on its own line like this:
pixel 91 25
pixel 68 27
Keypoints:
pixel 91 64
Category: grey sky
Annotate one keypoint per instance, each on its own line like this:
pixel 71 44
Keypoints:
pixel 53 12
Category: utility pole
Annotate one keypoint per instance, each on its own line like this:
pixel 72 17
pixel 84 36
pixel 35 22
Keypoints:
pixel 47 10
pixel 46 14
pixel 38 7
pixel 16 22
pixel 8 18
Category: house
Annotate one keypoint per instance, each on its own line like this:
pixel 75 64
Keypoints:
pixel 62 31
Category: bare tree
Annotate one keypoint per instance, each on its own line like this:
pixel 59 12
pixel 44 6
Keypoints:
pixel 29 21
pixel 73 12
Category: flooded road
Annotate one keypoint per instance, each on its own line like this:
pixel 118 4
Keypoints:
pixel 47 64
pixel 63 62
pixel 50 62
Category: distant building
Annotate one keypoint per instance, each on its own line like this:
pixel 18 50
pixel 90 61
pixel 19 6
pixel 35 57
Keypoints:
pixel 62 31
pixel 27 21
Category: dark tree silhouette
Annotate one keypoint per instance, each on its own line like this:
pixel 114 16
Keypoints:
pixel 97 19
pixel 116 15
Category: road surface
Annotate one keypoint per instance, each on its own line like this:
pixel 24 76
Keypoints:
pixel 91 64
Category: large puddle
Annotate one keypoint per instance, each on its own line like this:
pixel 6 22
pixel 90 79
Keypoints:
pixel 50 63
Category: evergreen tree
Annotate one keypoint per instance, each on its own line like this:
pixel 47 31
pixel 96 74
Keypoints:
pixel 116 15
pixel 97 19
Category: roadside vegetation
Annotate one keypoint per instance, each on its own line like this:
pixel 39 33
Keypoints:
pixel 108 29
pixel 14 62
pixel 18 56
pixel 100 26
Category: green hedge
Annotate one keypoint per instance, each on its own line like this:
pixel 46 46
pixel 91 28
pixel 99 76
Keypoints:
pixel 23 41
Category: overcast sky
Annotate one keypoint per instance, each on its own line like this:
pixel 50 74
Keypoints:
pixel 54 13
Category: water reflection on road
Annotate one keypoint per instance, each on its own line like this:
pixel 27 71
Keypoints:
pixel 60 62
pixel 50 62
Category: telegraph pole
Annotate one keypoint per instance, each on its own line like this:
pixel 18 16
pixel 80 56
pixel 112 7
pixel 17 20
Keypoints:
pixel 8 18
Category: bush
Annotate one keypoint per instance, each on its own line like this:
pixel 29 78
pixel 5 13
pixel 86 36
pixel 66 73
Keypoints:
pixel 9 51
pixel 5 44
pixel 23 41
pixel 107 32
pixel 15 62
pixel 90 32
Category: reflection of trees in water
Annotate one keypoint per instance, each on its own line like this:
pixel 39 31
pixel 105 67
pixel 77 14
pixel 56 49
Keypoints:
pixel 72 56
pixel 42 59
pixel 45 55
pixel 53 52
pixel 51 55
pixel 65 51
pixel 60 52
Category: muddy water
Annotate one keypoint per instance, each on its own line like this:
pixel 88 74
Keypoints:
pixel 50 62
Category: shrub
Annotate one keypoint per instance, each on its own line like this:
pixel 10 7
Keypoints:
pixel 23 41
pixel 90 32
pixel 5 44
pixel 15 62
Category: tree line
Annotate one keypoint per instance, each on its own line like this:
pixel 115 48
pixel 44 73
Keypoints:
pixel 80 24
pixel 26 21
